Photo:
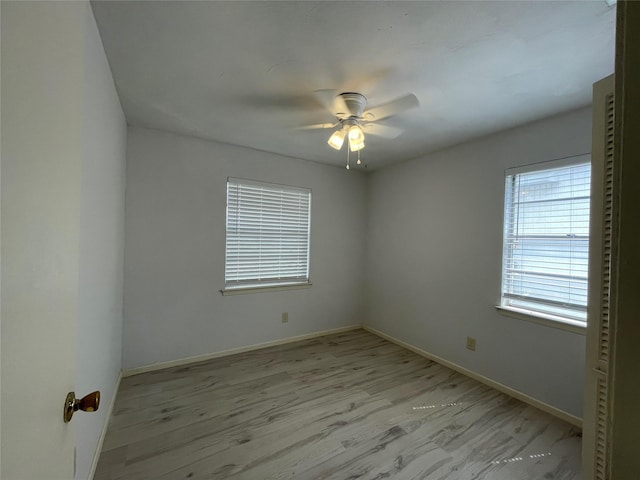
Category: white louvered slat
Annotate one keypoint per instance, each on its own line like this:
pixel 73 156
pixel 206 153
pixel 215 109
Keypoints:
pixel 602 400
pixel 601 430
pixel 268 229
pixel 607 234
pixel 601 314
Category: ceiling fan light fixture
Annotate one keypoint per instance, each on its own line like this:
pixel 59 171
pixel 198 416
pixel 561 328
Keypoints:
pixel 356 134
pixel 356 138
pixel 337 139
pixel 355 146
pixel 350 109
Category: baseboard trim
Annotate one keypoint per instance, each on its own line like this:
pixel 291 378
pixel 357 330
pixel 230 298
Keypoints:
pixel 223 353
pixel 96 455
pixel 545 407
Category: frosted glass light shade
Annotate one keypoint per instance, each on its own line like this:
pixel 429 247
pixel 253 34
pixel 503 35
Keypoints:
pixel 356 138
pixel 355 146
pixel 356 134
pixel 337 139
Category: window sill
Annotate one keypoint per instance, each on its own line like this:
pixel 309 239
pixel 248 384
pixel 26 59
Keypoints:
pixel 272 288
pixel 560 323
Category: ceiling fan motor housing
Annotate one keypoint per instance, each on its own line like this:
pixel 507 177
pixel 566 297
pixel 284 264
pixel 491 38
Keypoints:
pixel 355 102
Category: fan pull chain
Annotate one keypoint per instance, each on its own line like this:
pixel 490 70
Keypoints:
pixel 347 158
pixel 358 162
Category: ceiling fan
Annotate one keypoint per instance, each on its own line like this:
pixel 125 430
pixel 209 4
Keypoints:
pixel 353 121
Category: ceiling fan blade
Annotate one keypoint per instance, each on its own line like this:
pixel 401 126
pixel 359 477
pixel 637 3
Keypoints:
pixel 326 98
pixel 393 107
pixel 333 102
pixel 341 110
pixel 317 126
pixel 381 130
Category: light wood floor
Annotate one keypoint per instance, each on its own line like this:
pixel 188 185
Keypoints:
pixel 344 406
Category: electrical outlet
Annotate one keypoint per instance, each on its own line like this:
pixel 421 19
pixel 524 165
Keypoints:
pixel 285 317
pixel 471 343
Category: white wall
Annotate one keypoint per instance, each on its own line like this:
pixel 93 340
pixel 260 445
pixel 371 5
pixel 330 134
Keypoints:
pixel 101 244
pixel 434 253
pixel 175 246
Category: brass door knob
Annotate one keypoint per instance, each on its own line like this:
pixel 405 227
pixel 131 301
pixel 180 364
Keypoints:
pixel 88 403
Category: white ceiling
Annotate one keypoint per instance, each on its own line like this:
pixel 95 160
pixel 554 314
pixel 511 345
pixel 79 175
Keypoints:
pixel 244 72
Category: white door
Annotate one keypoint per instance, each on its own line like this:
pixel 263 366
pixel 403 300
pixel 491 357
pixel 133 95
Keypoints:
pixel 600 332
pixel 40 189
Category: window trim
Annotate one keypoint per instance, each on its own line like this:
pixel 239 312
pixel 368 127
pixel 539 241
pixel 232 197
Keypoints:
pixel 561 323
pixel 266 288
pixel 275 285
pixel 542 318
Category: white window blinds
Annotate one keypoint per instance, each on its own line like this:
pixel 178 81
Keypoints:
pixel 546 240
pixel 267 234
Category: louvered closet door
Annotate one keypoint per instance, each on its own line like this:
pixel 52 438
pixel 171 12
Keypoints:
pixel 603 228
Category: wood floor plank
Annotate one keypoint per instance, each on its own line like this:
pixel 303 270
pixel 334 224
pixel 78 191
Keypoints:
pixel 344 406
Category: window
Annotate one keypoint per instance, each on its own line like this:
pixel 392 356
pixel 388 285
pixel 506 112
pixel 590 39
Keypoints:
pixel 267 234
pixel 546 240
